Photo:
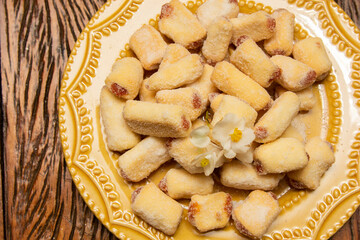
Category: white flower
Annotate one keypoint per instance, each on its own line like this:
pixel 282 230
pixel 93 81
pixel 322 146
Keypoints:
pixel 210 160
pixel 234 136
pixel 199 137
pixel 213 155
pixel 246 157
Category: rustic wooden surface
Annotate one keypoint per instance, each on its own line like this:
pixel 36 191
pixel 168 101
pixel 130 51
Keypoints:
pixel 38 199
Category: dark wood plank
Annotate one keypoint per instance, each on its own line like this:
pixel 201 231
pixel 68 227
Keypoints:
pixel 2 231
pixel 2 216
pixel 41 201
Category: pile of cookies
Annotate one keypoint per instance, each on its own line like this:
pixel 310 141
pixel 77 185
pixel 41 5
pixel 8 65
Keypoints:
pixel 244 69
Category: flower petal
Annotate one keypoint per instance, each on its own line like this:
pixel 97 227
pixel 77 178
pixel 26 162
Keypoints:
pixel 233 119
pixel 241 123
pixel 220 159
pixel 248 136
pixel 226 145
pixel 200 157
pixel 208 169
pixel 200 142
pixel 244 144
pixel 199 137
pixel 200 131
pixel 229 154
pixel 221 132
pixel 239 147
pixel 246 157
pixel 225 127
pixel 213 147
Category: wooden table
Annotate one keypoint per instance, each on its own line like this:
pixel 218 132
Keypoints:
pixel 38 198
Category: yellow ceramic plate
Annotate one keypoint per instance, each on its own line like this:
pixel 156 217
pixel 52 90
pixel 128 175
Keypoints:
pixel 305 215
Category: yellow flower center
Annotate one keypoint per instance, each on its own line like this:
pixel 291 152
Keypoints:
pixel 204 162
pixel 236 135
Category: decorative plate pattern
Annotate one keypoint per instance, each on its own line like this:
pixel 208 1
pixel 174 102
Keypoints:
pixel 305 215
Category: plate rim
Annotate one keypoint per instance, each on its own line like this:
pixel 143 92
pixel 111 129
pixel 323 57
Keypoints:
pixel 329 23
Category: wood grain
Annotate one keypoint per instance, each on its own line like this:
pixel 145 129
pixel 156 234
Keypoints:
pixel 41 202
pixel 352 8
pixel 38 197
